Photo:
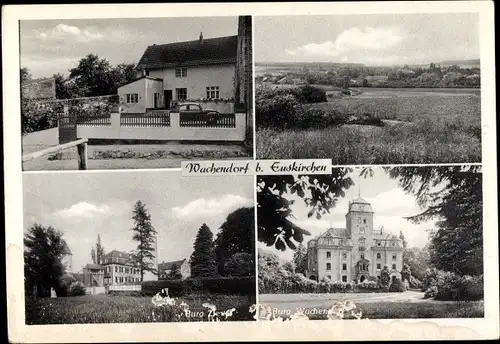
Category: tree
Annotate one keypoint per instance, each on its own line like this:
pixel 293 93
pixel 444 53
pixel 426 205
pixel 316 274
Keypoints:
pixel 240 264
pixel 44 248
pixel 145 235
pixel 203 257
pixel 320 193
pixel 236 235
pixel 99 251
pixel 93 76
pixel 175 272
pixel 385 278
pixel 418 260
pixel 25 75
pixel 289 266
pixel 122 74
pixel 300 259
pixel 402 238
pixel 62 89
pixel 93 256
pixel 453 196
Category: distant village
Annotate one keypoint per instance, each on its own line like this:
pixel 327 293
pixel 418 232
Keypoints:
pixel 445 74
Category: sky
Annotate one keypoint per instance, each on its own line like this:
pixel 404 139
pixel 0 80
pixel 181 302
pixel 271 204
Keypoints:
pixel 54 46
pixel 83 205
pixel 389 202
pixel 374 40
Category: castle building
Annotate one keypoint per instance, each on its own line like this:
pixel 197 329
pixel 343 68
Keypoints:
pixel 165 269
pixel 356 252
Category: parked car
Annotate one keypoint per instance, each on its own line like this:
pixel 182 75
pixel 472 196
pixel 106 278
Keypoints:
pixel 209 115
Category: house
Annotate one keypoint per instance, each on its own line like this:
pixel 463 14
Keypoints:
pixel 166 268
pixel 190 70
pixel 67 258
pixel 356 252
pixel 121 268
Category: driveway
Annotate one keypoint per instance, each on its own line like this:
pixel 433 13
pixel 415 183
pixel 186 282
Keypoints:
pixel 294 301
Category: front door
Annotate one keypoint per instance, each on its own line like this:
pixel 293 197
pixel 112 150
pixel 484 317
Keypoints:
pixel 168 98
pixel 67 127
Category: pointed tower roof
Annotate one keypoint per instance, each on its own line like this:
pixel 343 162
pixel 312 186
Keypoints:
pixel 361 205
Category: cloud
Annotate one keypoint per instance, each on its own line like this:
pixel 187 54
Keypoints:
pixel 83 210
pixel 213 206
pixel 352 40
pixel 63 31
pixel 394 202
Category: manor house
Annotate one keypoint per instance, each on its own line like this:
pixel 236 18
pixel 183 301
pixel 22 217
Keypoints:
pixel 355 252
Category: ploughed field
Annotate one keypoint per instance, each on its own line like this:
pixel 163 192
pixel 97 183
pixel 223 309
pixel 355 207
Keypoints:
pixel 420 126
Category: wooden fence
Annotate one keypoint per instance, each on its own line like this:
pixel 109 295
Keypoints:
pixel 200 120
pixel 81 145
pixel 148 119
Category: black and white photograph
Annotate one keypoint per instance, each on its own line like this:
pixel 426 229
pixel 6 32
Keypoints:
pixel 165 249
pixel 135 93
pixel 369 89
pixel 372 243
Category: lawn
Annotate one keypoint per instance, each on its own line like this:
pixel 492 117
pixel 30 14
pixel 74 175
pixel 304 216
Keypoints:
pixel 421 126
pixel 129 309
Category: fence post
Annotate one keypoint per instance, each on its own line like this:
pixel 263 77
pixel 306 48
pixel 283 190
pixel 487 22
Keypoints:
pixel 82 156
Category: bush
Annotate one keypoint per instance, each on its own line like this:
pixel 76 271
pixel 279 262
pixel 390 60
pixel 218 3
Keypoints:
pixel 449 286
pixel 368 286
pixel 431 292
pixel 216 285
pixel 76 289
pixel 36 118
pixel 397 286
pixel 240 264
pixel 415 283
pixel 310 94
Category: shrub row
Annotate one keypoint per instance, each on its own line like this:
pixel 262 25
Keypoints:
pixel 215 285
pixel 444 285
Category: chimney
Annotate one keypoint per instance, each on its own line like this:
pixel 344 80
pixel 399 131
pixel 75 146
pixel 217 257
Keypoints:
pixel 201 37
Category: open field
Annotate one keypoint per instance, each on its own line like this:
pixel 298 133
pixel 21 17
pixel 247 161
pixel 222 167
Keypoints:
pixel 374 305
pixel 127 309
pixel 422 126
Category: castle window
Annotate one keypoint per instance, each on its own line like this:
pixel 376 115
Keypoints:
pixel 344 255
pixel 362 230
pixel 116 268
pixel 378 266
pixel 328 266
pixel 379 243
pixel 362 256
pixel 362 243
pixel 393 243
pixel 116 279
pixel 360 220
pixel 393 266
pixel 344 278
pixel 344 267
pixel 364 221
pixel 379 256
pixel 328 254
pixel 394 257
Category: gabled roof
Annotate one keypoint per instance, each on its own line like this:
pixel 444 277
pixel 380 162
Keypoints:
pixel 118 257
pixel 190 53
pixel 170 265
pixel 140 78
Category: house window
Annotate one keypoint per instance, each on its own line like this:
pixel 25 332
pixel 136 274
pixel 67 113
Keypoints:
pixel 132 98
pixel 394 257
pixel 328 266
pixel 180 72
pixel 379 256
pixel 116 268
pixel 378 266
pixel 393 266
pixel 344 278
pixel 328 255
pixel 116 279
pixel 181 93
pixel 344 267
pixel 213 92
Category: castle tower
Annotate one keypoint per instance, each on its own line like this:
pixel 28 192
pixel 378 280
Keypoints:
pixel 359 224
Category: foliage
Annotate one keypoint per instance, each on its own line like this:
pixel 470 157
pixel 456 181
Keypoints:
pixel 145 235
pixel 385 278
pixel 203 257
pixel 445 285
pixel 417 260
pixel 310 94
pixel 430 292
pixel 289 267
pixel 236 235
pixel 300 259
pixel 397 286
pixel 217 285
pixel 415 283
pixel 240 264
pixel 65 283
pixel 35 118
pixel 175 273
pixel 44 248
pixel 319 193
pixel 406 273
pixel 453 195
pixel 97 253
pixel 76 289
pixel 368 285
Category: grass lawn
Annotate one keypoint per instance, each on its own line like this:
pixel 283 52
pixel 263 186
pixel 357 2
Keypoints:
pixel 432 127
pixel 129 309
pixel 420 310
